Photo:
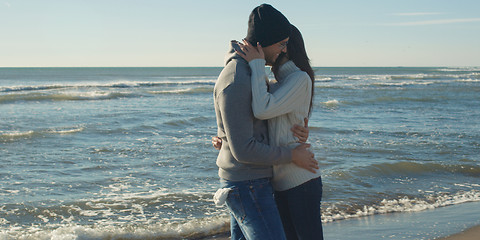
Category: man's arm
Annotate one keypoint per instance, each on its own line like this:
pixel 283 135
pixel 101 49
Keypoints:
pixel 237 118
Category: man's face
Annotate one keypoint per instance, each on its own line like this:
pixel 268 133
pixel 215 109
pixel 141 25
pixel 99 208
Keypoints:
pixel 272 51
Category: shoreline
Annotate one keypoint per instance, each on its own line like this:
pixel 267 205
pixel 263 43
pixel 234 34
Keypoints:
pixel 472 233
pixel 454 222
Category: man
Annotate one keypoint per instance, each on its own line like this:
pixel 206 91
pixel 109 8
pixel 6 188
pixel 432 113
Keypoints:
pixel 245 159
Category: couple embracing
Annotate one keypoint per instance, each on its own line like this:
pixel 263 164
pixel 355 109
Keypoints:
pixel 269 179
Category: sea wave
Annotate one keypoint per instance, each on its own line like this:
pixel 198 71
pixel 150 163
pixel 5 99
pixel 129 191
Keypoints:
pixel 408 169
pixel 30 88
pixel 401 84
pixel 386 80
pixel 404 204
pixel 387 99
pixel 192 229
pixel 468 80
pixel 117 84
pixel 65 96
pixel 184 91
pixel 66 130
pixel 331 103
pixel 187 122
pixel 12 136
pixel 417 77
pixel 460 69
pixel 58 93
pixel 119 215
pixel 322 79
pixel 373 84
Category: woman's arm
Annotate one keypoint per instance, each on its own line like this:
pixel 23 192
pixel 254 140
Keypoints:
pixel 301 132
pixel 288 97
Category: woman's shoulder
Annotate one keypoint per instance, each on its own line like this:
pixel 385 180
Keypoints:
pixel 299 76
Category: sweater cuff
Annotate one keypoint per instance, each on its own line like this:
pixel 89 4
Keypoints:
pixel 287 158
pixel 257 63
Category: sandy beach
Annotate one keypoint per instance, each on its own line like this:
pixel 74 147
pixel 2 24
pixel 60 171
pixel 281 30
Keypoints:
pixel 469 234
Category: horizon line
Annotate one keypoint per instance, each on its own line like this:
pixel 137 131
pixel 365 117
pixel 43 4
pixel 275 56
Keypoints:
pixel 461 66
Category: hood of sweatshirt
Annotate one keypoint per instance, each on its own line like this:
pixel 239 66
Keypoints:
pixel 231 53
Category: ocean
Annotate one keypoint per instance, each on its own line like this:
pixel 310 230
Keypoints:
pixel 125 153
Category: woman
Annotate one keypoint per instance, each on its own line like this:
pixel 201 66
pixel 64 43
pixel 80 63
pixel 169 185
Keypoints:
pixel 285 103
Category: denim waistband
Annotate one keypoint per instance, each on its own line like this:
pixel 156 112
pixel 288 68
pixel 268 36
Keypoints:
pixel 227 183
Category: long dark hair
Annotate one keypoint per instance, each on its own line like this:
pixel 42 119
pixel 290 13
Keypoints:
pixel 297 53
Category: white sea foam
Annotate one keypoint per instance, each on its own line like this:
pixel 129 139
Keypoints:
pixel 404 83
pixel 155 228
pixel 15 134
pixel 173 91
pixel 90 95
pixel 331 103
pixel 152 230
pixel 184 90
pixel 180 80
pixel 460 69
pixel 405 204
pixel 18 135
pixel 322 79
pixel 468 80
pixel 66 130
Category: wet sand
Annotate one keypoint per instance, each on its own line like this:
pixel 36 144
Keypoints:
pixel 456 222
pixel 469 234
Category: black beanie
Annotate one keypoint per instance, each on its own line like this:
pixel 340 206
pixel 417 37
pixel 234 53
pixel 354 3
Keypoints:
pixel 267 26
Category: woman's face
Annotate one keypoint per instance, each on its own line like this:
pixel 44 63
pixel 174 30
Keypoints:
pixel 273 51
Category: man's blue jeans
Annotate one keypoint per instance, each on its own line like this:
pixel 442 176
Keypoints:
pixel 300 210
pixel 254 212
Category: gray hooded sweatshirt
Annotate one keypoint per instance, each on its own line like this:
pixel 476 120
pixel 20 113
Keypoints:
pixel 245 153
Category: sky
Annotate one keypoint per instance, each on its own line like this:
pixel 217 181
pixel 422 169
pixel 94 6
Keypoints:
pixel 194 33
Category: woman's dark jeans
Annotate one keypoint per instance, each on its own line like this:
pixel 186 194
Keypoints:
pixel 299 209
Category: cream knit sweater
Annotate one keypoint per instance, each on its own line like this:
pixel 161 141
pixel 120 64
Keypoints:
pixel 286 104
